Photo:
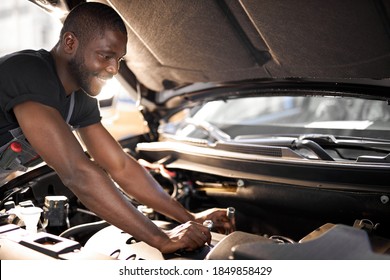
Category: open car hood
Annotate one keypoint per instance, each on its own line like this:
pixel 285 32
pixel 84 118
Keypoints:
pixel 175 43
pixel 172 43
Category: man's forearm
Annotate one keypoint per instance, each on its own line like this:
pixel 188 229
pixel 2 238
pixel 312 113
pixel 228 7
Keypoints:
pixel 146 190
pixel 99 194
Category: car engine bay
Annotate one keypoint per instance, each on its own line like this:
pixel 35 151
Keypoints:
pixel 273 220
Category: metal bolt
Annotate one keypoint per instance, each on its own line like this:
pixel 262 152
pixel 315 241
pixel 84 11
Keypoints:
pixel 384 199
pixel 240 183
pixel 209 224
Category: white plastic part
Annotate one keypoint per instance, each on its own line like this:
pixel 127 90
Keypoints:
pixel 30 216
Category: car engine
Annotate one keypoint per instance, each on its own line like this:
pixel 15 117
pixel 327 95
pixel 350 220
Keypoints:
pixel 65 229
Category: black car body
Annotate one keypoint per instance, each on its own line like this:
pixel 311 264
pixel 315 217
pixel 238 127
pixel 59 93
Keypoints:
pixel 279 109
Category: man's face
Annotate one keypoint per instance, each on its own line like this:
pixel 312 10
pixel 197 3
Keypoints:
pixel 97 61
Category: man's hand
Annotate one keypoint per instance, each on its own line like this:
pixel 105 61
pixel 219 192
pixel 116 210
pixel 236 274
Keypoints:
pixel 221 223
pixel 188 236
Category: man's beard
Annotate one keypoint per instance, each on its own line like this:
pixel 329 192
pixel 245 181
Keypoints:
pixel 80 73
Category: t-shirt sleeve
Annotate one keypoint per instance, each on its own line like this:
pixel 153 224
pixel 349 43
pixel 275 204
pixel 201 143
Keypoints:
pixel 86 110
pixel 29 79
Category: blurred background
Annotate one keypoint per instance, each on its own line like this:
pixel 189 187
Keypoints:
pixel 24 25
pixel 15 16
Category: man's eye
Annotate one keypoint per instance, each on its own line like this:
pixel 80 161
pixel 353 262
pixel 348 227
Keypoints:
pixel 106 57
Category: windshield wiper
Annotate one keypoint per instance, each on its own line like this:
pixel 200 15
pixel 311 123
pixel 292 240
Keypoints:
pixel 314 147
pixel 320 144
pixel 328 140
pixel 331 141
pixel 213 131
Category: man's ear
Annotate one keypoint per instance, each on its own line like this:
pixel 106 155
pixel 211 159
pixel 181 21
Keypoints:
pixel 70 42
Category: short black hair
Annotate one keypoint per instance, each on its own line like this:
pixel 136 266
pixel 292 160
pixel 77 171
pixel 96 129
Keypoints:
pixel 90 20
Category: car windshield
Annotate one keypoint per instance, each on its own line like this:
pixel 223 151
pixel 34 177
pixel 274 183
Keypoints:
pixel 256 117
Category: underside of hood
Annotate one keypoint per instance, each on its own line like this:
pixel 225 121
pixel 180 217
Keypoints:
pixel 176 42
pixel 179 42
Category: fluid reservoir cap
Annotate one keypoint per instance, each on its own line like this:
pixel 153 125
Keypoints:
pixel 55 201
pixel 16 147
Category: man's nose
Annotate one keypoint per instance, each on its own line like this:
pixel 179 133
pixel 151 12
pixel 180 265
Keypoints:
pixel 113 67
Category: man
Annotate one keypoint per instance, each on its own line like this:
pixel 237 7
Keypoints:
pixel 42 93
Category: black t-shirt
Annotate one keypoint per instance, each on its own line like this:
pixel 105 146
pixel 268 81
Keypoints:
pixel 31 76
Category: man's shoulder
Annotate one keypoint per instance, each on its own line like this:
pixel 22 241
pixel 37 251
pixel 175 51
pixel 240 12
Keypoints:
pixel 25 57
pixel 27 65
